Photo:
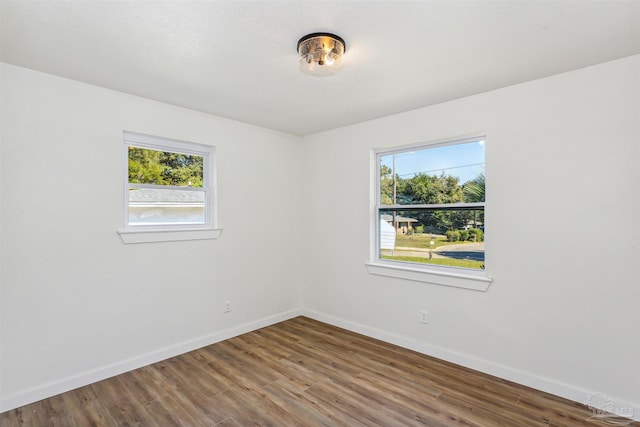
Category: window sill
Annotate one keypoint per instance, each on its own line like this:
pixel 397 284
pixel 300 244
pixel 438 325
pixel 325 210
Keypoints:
pixel 474 281
pixel 154 236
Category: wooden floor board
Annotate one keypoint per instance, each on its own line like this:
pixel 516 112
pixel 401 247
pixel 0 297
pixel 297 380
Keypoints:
pixel 304 373
pixel 85 407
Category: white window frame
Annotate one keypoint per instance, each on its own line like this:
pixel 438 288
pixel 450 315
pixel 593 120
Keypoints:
pixel 171 232
pixel 441 275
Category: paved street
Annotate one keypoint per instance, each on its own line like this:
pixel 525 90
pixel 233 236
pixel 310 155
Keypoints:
pixel 471 251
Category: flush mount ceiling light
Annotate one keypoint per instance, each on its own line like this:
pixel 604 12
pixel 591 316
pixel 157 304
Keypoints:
pixel 321 54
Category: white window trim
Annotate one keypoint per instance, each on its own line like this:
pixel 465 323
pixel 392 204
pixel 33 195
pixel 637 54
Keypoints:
pixel 172 232
pixel 464 278
pixel 152 236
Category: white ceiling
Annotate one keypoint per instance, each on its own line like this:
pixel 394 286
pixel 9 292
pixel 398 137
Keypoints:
pixel 237 59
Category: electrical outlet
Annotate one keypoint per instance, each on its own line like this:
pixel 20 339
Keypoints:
pixel 423 316
pixel 227 306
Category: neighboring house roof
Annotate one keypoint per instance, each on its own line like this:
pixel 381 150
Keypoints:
pixel 156 197
pixel 399 218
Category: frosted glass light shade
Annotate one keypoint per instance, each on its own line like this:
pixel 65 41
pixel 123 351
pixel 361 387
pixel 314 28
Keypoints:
pixel 320 54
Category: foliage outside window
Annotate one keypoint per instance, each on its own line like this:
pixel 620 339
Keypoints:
pixel 430 205
pixel 168 183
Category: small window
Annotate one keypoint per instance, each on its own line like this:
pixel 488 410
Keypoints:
pixel 169 185
pixel 430 206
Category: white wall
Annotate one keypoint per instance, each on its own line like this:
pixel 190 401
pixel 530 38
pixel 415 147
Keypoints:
pixel 78 304
pixel 563 174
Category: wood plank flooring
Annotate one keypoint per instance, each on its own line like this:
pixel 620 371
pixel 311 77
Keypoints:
pixel 303 373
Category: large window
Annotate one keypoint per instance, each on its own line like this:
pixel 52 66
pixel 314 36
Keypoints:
pixel 169 185
pixel 430 206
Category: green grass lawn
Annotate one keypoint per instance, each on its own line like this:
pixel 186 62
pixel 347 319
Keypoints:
pixel 464 263
pixel 422 241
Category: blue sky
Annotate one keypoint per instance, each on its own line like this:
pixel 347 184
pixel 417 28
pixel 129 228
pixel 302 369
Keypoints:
pixel 465 161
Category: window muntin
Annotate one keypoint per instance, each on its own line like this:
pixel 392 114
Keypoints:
pixel 430 205
pixel 168 184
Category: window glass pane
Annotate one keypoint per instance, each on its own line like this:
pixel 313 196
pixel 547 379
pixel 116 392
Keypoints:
pixel 449 237
pixel 151 206
pixel 148 166
pixel 436 175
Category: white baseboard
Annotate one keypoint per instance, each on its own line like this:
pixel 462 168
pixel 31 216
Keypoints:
pixel 528 379
pixel 99 374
